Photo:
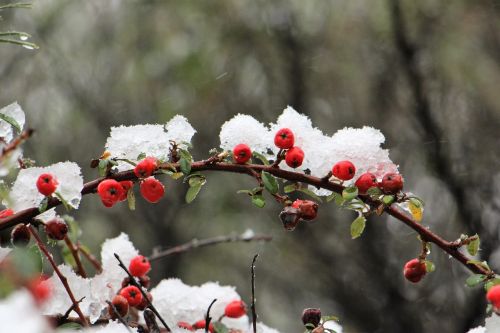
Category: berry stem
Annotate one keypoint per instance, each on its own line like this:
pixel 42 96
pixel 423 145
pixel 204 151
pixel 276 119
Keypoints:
pixel 63 279
pixel 74 252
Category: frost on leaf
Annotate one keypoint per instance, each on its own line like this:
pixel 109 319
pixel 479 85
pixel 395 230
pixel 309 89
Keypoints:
pixel 18 313
pixel 25 194
pixel 128 142
pixel 245 129
pixel 14 113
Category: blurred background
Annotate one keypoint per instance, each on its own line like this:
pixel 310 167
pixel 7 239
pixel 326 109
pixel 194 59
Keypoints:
pixel 426 73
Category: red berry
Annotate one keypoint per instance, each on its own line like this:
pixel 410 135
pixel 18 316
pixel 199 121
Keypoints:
pixel 152 189
pixel 40 288
pixel 235 309
pixel 146 167
pixel 242 153
pixel 56 229
pixel 493 296
pixel 344 170
pixel 126 186
pixel 366 181
pixel 46 184
pixel 311 316
pixel 121 305
pixel 294 157
pixel 184 325
pixel 144 303
pixel 132 294
pixel 392 183
pixel 20 235
pixel 414 270
pixel 307 209
pixel 284 138
pixel 110 192
pixel 200 324
pixel 6 213
pixel 139 266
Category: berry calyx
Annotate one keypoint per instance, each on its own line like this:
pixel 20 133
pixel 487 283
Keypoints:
pixel 294 157
pixel 126 186
pixel 6 213
pixel 307 209
pixel 20 235
pixel 184 325
pixel 132 294
pixel 242 153
pixel 56 229
pixel 200 324
pixel 493 296
pixel 290 217
pixel 121 305
pixel 414 270
pixel 392 183
pixel 344 170
pixel 235 309
pixel 46 184
pixel 284 138
pixel 110 191
pixel 365 182
pixel 311 316
pixel 139 266
pixel 144 303
pixel 146 167
pixel 152 189
pixel 40 288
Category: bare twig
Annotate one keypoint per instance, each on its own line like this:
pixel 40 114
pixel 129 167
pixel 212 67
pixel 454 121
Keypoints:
pixel 195 243
pixel 71 308
pixel 63 279
pixel 208 319
pixel 74 252
pixel 91 258
pixel 120 318
pixel 16 142
pixel 134 282
pixel 252 306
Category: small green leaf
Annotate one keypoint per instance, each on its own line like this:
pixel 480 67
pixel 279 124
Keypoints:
pixel 416 201
pixel 309 327
pixel 185 166
pixel 258 200
pixel 473 246
pixel 350 193
pixel 374 191
pixel 429 266
pixel 64 202
pixel 357 226
pixel 261 157
pixel 388 199
pixel 474 280
pixel 43 205
pixel 197 180
pixel 131 199
pixel 68 256
pixel 192 192
pixel 290 188
pixel 103 167
pixel 11 121
pixel 177 175
pixel 35 252
pixel 185 154
pixel 324 319
pixel 70 326
pixel 220 327
pixel 310 193
pixel 27 262
pixel 141 156
pixel 491 283
pixel 270 182
pixel 244 192
pixel 483 264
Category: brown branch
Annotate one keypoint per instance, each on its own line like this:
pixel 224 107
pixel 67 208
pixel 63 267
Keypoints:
pixel 195 243
pixel 91 258
pixel 74 252
pixel 63 279
pixel 117 313
pixel 16 142
pixel 426 234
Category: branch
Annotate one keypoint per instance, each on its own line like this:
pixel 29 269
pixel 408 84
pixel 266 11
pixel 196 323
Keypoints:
pixel 120 318
pixel 16 142
pixel 254 312
pixel 208 319
pixel 74 252
pixel 91 258
pixel 426 234
pixel 195 243
pixel 63 279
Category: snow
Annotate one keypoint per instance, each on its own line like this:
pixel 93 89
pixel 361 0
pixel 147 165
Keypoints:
pixel 492 325
pixel 14 111
pixel 245 129
pixel 18 313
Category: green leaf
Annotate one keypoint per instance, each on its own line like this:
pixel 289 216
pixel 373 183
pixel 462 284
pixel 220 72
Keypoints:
pixel 374 191
pixel 11 121
pixel 192 192
pixel 195 180
pixel 141 156
pixel 357 226
pixel 474 280
pixel 473 246
pixel 417 201
pixel 310 193
pixel 220 327
pixel 68 256
pixel 324 319
pixel 270 182
pixel 261 157
pixel 483 264
pixel 350 193
pixel 103 167
pixel 27 261
pixel 185 166
pixel 491 283
pixel 258 200
pixel 290 188
pixel 43 205
pixel 177 175
pixel 429 266
pixel 244 192
pixel 388 199
pixel 64 202
pixel 37 256
pixel 70 326
pixel 185 154
pixel 131 199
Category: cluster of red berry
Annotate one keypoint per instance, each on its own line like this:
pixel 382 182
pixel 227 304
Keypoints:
pixel 130 295
pixel 234 309
pixel 111 191
pixel 493 296
pixel 284 140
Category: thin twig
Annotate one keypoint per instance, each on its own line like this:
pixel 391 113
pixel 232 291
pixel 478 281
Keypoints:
pixel 150 320
pixel 208 319
pixel 71 308
pixel 195 243
pixel 63 279
pixel 120 318
pixel 91 258
pixel 134 282
pixel 16 142
pixel 252 306
pixel 74 252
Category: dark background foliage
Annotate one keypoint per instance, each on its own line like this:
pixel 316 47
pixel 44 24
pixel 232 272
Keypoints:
pixel 424 72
